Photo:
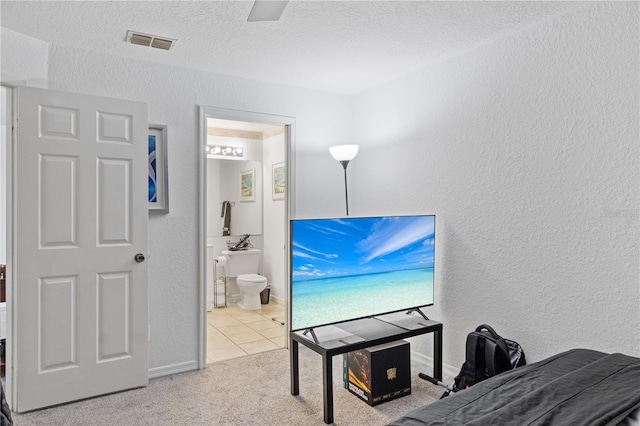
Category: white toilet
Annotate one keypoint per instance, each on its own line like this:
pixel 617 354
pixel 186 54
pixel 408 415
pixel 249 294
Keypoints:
pixel 243 265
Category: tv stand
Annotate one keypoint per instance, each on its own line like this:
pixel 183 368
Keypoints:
pixel 358 334
pixel 410 311
pixel 313 334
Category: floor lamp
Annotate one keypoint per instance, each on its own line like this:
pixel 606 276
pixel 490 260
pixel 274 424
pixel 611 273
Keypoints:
pixel 344 154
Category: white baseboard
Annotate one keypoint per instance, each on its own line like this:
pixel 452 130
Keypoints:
pixel 448 372
pixel 172 369
pixel 276 299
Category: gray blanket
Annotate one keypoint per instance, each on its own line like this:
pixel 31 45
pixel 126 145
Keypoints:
pixel 577 387
pixel 5 411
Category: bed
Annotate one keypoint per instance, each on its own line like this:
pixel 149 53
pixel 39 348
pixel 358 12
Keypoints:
pixel 577 387
pixel 5 411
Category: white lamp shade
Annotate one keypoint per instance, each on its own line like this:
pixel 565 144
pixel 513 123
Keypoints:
pixel 344 152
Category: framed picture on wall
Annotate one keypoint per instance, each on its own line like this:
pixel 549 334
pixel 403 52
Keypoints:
pixel 278 181
pixel 247 181
pixel 158 196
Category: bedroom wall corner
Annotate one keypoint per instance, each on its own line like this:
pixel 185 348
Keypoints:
pixel 24 60
pixel 526 149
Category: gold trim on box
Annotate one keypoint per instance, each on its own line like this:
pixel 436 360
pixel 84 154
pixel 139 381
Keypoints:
pixel 392 394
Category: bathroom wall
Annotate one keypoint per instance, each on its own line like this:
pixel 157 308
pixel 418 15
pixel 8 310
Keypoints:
pixel 224 185
pixel 271 216
pixel 274 220
pixel 246 215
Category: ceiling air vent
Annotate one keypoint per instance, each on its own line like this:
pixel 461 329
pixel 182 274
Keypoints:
pixel 149 40
pixel 162 43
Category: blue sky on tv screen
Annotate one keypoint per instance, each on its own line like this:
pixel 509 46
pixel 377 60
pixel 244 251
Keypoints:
pixel 326 248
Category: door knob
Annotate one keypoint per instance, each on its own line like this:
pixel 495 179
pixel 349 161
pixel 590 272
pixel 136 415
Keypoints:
pixel 139 257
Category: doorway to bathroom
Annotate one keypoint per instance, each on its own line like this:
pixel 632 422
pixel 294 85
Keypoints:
pixel 245 191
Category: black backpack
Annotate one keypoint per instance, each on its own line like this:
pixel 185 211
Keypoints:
pixel 488 354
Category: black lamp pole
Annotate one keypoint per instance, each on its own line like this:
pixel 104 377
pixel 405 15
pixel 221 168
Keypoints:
pixel 345 163
pixel 343 154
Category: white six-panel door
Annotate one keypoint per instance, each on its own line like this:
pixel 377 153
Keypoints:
pixel 80 218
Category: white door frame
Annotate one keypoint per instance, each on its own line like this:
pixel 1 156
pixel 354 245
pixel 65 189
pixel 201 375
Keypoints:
pixel 8 181
pixel 253 117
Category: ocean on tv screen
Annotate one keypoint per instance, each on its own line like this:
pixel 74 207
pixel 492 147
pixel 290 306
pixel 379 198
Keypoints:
pixel 356 267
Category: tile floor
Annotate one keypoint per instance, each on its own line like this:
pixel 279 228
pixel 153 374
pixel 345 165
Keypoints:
pixel 233 332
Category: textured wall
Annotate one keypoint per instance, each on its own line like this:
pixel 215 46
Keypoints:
pixel 527 150
pixel 24 60
pixel 5 135
pixel 173 95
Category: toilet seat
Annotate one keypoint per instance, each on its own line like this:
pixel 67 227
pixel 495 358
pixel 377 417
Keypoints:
pixel 252 278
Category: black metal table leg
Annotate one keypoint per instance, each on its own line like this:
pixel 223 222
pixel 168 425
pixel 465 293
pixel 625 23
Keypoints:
pixel 437 353
pixel 295 373
pixel 327 387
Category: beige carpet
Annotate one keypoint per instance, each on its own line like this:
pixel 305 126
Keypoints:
pixel 253 390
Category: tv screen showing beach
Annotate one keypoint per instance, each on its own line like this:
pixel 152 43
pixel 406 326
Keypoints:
pixel 350 268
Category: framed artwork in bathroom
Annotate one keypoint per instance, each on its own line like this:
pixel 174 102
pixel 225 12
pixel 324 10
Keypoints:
pixel 247 190
pixel 158 197
pixel 278 181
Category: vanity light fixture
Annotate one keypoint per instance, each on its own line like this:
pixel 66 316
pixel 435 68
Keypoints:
pixel 344 154
pixel 229 152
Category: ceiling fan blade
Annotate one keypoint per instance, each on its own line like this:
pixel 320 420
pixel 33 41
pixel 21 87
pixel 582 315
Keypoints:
pixel 266 10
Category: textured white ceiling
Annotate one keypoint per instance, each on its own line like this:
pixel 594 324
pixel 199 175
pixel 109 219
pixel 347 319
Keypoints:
pixel 336 46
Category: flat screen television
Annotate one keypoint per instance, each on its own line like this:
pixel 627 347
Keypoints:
pixel 357 267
